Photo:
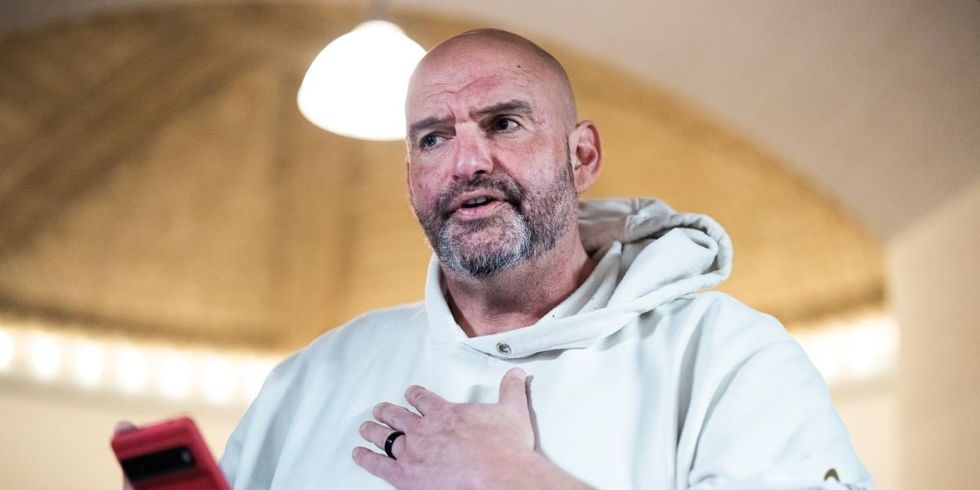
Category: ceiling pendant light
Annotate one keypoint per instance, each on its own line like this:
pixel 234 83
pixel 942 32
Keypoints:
pixel 356 86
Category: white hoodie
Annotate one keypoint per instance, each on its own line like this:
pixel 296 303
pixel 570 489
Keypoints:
pixel 637 379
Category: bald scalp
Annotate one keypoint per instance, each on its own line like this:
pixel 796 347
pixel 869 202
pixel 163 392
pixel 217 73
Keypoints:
pixel 523 50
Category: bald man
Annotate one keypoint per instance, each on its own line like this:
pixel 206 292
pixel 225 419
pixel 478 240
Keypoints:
pixel 561 344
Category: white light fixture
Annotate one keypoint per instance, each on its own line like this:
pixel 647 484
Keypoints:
pixel 356 86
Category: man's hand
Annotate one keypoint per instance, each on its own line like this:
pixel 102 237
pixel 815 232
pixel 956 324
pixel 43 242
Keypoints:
pixel 124 426
pixel 460 445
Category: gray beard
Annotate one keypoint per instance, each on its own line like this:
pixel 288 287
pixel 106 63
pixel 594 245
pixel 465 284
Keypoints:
pixel 532 228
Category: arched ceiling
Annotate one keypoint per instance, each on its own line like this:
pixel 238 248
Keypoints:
pixel 158 179
pixel 875 101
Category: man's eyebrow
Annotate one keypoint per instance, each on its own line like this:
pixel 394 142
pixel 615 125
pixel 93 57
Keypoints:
pixel 419 126
pixel 514 105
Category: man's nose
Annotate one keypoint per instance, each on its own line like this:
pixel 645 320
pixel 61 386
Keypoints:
pixel 473 155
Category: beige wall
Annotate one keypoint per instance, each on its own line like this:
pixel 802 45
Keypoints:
pixel 871 414
pixel 935 280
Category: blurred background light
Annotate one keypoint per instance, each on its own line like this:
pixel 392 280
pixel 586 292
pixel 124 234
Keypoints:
pixel 356 86
pixel 146 369
pixel 218 379
pixel 130 369
pixel 174 374
pixel 46 352
pixel 89 363
pixel 851 350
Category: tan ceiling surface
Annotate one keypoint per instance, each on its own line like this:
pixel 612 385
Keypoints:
pixel 875 101
pixel 158 179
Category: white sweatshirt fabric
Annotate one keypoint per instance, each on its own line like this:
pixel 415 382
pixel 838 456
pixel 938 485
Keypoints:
pixel 638 379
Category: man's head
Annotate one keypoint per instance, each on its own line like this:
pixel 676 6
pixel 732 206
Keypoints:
pixel 495 158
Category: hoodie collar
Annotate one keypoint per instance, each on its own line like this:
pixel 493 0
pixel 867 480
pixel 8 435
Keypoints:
pixel 653 255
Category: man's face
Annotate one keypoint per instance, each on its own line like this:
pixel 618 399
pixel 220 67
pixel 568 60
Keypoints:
pixel 488 165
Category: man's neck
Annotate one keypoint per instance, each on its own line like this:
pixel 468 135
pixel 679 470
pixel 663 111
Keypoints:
pixel 519 296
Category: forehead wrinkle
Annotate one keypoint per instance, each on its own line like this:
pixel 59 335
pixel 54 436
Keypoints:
pixel 446 93
pixel 498 78
pixel 493 78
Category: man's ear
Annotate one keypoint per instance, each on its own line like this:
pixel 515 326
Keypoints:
pixel 585 153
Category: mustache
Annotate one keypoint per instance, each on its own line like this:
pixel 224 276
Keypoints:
pixel 511 192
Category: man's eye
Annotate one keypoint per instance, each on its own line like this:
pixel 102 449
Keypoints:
pixel 428 141
pixel 503 124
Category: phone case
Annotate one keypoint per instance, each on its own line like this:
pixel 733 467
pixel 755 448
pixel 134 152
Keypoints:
pixel 170 455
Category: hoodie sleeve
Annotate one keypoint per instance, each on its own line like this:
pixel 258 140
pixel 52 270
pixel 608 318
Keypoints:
pixel 769 422
pixel 252 452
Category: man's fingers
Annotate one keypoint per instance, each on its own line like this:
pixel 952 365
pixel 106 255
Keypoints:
pixel 394 416
pixel 423 400
pixel 378 465
pixel 378 434
pixel 513 389
pixel 123 426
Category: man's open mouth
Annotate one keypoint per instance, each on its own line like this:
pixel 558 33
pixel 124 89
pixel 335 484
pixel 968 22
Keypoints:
pixel 477 202
pixel 478 198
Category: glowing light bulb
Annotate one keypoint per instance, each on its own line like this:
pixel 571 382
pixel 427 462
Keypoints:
pixel 357 85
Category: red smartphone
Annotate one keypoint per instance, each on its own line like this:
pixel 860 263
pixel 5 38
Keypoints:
pixel 170 455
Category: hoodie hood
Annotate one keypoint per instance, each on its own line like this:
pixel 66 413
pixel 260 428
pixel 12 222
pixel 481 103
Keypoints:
pixel 649 255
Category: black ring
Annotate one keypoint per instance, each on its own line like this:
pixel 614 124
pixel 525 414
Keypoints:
pixel 390 441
